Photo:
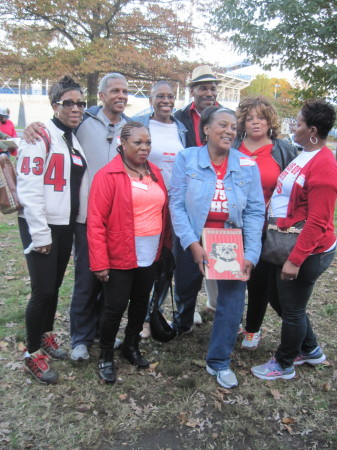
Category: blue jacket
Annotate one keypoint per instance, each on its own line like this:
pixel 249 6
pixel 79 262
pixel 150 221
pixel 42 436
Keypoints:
pixel 192 189
pixel 145 120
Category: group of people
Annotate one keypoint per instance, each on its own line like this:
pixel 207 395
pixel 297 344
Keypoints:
pixel 128 190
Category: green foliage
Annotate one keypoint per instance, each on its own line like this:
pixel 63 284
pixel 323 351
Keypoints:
pixel 277 90
pixel 294 34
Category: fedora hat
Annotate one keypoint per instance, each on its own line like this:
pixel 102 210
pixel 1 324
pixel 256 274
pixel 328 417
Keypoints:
pixel 201 74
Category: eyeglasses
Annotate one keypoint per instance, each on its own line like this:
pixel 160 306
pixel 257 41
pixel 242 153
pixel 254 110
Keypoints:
pixel 163 96
pixel 70 104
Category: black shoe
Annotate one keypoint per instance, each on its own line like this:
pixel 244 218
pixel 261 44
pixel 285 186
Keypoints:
pixel 107 371
pixel 131 352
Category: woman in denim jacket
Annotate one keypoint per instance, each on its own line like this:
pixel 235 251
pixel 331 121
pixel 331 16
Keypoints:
pixel 203 176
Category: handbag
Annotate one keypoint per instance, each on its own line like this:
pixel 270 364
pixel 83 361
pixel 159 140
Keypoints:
pixel 160 330
pixel 279 243
pixel 9 201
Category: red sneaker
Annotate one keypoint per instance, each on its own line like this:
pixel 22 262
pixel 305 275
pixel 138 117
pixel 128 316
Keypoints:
pixel 50 347
pixel 37 365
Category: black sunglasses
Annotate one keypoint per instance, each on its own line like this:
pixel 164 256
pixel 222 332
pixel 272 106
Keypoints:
pixel 71 104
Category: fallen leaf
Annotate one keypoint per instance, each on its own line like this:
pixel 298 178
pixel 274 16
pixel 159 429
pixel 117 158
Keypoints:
pixel 10 325
pixel 21 347
pixel 327 363
pixel 199 363
pixel 182 417
pixel 3 345
pixel 153 366
pixel 14 365
pixel 289 429
pixel 193 423
pixel 288 420
pixel 276 394
pixel 326 387
pixel 10 277
pixel 123 397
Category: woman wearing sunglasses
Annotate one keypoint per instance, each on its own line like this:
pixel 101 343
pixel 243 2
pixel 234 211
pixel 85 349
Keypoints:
pixel 53 189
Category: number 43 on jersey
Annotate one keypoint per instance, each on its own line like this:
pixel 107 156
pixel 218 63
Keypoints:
pixel 55 171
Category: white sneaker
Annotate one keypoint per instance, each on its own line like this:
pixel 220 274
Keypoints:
pixel 226 377
pixel 197 320
pixel 80 353
pixel 251 340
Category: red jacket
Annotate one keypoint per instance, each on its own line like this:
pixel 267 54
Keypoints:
pixel 313 199
pixel 111 234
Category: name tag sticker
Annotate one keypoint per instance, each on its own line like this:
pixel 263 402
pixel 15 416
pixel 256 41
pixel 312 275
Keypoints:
pixel 139 185
pixel 300 180
pixel 77 160
pixel 247 162
pixel 169 157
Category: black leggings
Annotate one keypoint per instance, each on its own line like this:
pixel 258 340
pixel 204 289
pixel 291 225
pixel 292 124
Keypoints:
pixel 124 285
pixel 46 276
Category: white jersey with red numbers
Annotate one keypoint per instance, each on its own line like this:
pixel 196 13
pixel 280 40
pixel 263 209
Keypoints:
pixel 280 199
pixel 43 185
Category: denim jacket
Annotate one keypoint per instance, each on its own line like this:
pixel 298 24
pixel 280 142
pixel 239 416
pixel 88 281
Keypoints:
pixel 145 120
pixel 192 189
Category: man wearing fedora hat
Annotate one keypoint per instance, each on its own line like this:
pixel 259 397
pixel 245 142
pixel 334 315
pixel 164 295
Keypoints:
pixel 203 88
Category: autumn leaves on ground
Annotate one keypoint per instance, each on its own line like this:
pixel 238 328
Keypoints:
pixel 173 405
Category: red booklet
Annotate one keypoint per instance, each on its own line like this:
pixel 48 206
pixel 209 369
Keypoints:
pixel 224 248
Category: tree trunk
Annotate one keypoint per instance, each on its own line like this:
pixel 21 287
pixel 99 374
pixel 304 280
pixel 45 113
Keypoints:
pixel 92 86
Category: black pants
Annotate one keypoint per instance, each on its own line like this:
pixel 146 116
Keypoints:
pixel 257 287
pixel 46 276
pixel 124 285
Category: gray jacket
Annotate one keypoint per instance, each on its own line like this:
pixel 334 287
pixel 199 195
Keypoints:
pixel 98 138
pixel 145 120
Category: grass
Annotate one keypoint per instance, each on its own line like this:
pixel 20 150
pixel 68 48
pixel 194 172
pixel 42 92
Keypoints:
pixel 173 405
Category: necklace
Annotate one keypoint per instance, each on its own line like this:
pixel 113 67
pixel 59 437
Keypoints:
pixel 218 168
pixel 141 176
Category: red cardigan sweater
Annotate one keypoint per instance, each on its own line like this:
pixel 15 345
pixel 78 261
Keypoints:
pixel 111 234
pixel 313 201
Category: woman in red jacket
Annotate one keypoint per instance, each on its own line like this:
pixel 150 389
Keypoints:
pixel 128 226
pixel 305 191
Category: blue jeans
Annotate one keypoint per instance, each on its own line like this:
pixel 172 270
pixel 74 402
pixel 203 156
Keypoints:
pixel 187 284
pixel 289 299
pixel 227 317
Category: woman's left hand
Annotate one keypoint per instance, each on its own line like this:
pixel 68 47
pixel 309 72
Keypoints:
pixel 289 271
pixel 247 269
pixel 199 256
pixel 103 275
pixel 45 249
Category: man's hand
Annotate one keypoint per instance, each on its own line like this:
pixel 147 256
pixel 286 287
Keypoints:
pixel 103 275
pixel 32 132
pixel 199 256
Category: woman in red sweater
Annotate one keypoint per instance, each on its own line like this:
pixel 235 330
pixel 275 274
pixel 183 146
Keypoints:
pixel 128 226
pixel 306 191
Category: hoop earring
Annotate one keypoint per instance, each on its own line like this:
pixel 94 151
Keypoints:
pixel 56 114
pixel 312 138
pixel 270 132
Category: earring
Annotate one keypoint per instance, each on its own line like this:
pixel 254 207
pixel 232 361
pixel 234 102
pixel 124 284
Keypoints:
pixel 270 132
pixel 56 114
pixel 206 137
pixel 243 136
pixel 313 140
